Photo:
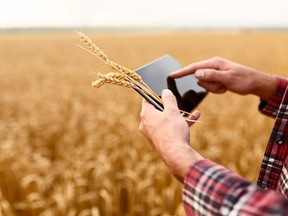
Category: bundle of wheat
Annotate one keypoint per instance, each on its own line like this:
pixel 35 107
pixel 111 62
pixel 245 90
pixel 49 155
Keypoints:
pixel 124 77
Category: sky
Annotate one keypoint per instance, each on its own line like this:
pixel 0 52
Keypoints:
pixel 144 13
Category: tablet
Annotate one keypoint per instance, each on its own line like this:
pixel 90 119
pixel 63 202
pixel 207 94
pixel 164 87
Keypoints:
pixel 186 90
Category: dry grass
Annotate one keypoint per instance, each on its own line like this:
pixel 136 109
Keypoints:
pixel 68 149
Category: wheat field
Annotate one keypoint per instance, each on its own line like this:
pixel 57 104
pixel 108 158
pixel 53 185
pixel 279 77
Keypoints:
pixel 69 149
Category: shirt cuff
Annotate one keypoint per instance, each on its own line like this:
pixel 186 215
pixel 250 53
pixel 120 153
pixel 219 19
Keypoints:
pixel 271 107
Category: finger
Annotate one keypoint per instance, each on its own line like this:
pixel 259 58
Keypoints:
pixel 169 101
pixel 212 86
pixel 194 116
pixel 146 110
pixel 214 63
pixel 211 75
pixel 146 105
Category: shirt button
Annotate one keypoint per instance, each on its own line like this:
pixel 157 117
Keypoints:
pixel 279 141
pixel 264 186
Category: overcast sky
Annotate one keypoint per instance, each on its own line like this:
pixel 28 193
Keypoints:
pixel 144 13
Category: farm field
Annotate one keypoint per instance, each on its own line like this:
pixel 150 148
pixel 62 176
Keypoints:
pixel 69 149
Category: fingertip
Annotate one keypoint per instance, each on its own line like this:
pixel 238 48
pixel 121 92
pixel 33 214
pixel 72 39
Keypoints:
pixel 181 72
pixel 173 74
pixel 195 115
pixel 169 100
pixel 166 92
pixel 176 74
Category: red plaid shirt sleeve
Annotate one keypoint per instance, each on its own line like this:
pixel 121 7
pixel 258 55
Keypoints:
pixel 271 107
pixel 210 189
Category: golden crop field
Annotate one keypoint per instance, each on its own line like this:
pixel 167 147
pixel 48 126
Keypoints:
pixel 69 149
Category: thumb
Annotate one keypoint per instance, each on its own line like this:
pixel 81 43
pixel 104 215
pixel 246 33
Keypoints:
pixel 194 116
pixel 211 75
pixel 169 100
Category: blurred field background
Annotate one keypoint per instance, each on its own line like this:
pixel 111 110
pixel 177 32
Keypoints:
pixel 69 149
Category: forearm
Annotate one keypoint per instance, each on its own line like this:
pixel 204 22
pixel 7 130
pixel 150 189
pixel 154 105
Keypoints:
pixel 183 159
pixel 263 85
pixel 210 189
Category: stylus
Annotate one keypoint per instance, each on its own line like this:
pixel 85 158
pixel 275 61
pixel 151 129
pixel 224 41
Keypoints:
pixel 148 98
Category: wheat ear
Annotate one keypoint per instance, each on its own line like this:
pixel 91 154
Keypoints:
pixel 101 55
pixel 113 78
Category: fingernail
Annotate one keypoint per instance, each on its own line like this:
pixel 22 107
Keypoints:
pixel 199 73
pixel 166 91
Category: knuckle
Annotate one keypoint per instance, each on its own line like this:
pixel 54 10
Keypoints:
pixel 230 79
pixel 210 73
pixel 219 60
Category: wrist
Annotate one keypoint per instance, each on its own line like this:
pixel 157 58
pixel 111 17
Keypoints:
pixel 264 85
pixel 186 159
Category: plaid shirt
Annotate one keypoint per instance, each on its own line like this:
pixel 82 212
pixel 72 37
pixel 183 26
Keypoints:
pixel 210 189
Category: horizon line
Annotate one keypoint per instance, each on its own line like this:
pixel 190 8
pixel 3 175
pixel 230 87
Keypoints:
pixel 114 28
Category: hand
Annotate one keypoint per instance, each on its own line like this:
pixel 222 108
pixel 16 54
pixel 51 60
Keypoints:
pixel 169 135
pixel 219 75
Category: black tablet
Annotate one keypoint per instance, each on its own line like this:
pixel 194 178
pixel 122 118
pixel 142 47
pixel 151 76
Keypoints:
pixel 156 75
